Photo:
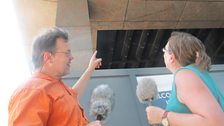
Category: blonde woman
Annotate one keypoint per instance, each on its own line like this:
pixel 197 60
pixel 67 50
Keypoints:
pixel 196 99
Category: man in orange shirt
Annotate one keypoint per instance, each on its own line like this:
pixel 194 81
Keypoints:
pixel 44 100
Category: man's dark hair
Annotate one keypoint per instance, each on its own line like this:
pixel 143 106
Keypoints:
pixel 46 42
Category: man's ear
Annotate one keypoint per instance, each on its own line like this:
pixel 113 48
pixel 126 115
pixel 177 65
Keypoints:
pixel 47 57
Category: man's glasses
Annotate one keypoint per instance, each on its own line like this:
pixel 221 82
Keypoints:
pixel 68 53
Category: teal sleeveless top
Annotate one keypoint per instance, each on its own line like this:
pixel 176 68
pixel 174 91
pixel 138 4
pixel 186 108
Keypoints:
pixel 175 105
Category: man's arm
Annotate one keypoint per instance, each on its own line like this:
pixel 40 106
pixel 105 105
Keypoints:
pixel 81 84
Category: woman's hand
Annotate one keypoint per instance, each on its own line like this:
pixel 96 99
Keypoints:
pixel 154 114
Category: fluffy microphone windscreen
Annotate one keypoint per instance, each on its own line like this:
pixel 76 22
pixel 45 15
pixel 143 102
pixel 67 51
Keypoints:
pixel 101 102
pixel 146 90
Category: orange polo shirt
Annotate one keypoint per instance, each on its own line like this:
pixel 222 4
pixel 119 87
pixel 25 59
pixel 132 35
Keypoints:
pixel 45 101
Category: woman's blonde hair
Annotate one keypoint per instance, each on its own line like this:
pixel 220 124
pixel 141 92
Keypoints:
pixel 189 50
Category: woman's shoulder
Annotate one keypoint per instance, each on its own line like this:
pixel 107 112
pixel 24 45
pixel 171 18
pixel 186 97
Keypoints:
pixel 188 76
pixel 184 72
